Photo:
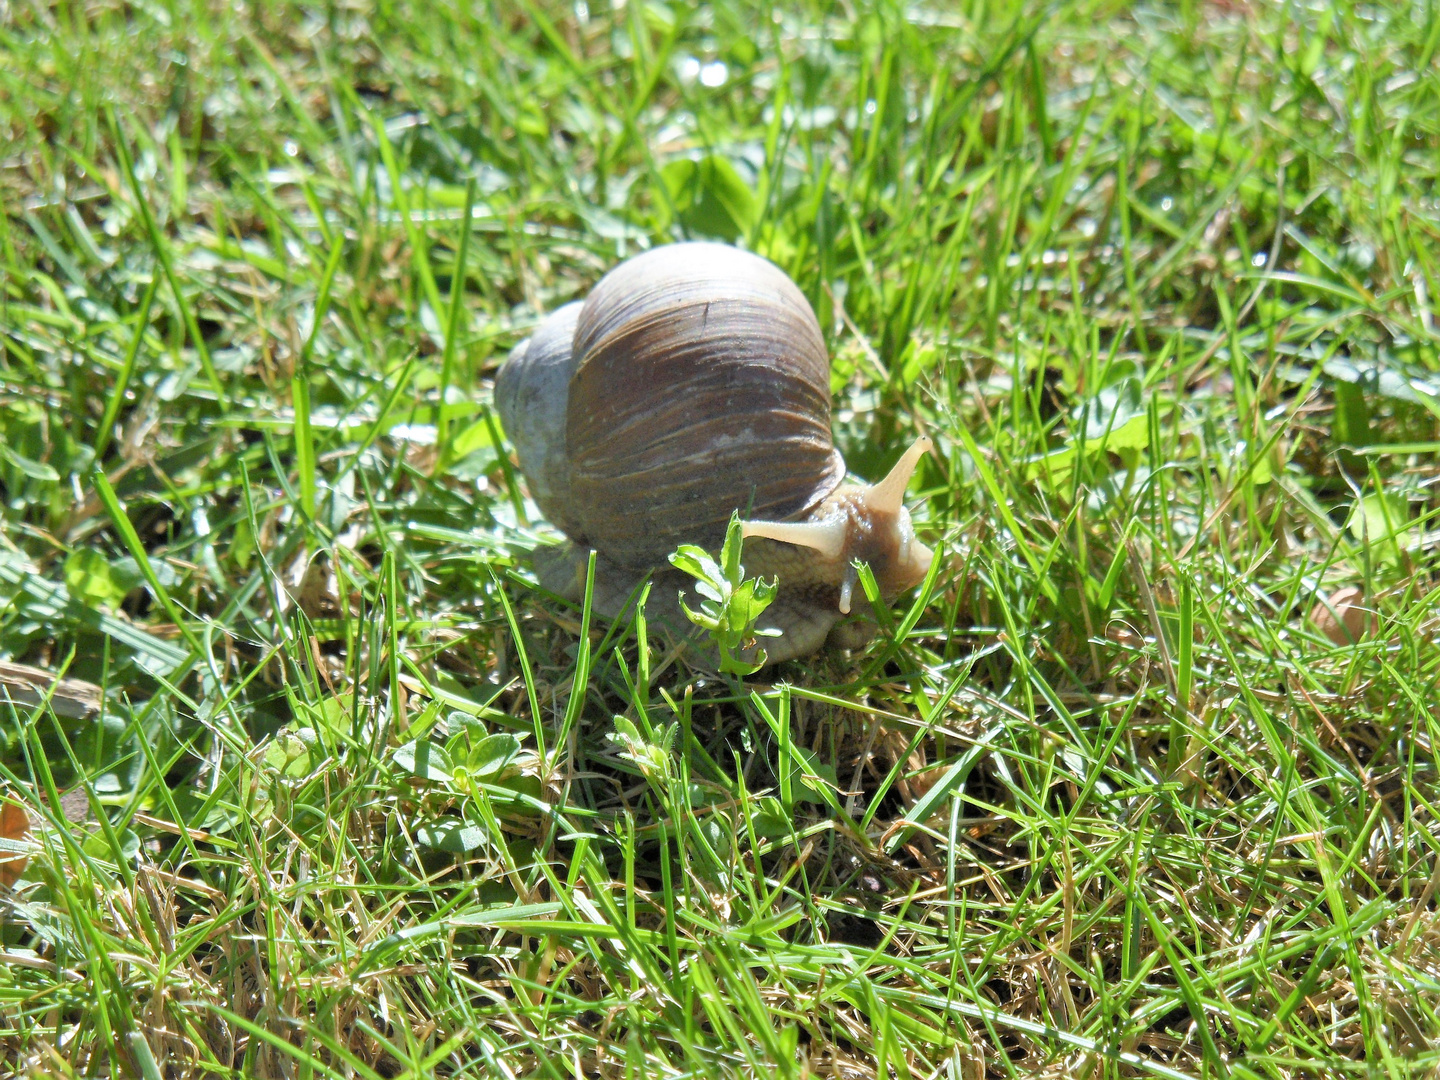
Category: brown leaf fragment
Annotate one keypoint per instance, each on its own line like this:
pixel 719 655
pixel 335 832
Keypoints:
pixel 15 827
pixel 74 699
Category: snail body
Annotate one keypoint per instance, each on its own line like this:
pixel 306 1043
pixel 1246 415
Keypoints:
pixel 693 382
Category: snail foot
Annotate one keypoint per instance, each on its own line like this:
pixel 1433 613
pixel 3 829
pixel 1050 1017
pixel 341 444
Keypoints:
pixel 805 624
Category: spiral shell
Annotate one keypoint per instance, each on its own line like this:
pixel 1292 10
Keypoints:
pixel 697 384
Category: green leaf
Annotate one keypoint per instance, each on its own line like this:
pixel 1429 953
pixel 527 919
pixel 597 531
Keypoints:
pixel 730 551
pixel 1056 465
pixel 475 437
pixel 1381 518
pixel 97 845
pixel 1116 421
pixel 91 579
pixel 1115 418
pixel 451 834
pixel 733 665
pixel 492 755
pixel 294 754
pixel 710 198
pixel 35 470
pixel 749 602
pixel 517 792
pixel 696 562
pixel 425 759
pixel 770 820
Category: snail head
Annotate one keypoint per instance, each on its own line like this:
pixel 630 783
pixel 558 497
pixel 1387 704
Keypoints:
pixel 865 523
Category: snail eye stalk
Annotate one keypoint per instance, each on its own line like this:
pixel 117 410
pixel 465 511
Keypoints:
pixel 888 496
pixel 826 536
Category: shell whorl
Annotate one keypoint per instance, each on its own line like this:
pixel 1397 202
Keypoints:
pixel 531 391
pixel 702 387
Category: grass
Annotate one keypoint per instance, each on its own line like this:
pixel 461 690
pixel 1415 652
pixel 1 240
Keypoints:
pixel 360 801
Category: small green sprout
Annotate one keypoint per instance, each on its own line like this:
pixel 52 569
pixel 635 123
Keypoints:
pixel 730 605
pixel 652 755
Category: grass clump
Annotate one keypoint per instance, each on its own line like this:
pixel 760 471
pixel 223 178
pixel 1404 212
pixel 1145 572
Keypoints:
pixel 347 796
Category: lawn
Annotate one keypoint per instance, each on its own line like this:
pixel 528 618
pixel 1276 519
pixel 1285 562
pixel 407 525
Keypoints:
pixel 336 790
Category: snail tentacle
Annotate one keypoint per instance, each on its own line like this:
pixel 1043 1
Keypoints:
pixel 847 587
pixel 828 536
pixel 888 495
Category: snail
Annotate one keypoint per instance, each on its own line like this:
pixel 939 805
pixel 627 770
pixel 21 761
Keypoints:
pixel 693 382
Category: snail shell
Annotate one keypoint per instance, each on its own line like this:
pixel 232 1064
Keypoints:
pixel 693 382
pixel 697 383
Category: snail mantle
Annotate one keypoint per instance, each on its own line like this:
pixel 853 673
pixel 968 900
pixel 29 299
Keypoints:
pixel 693 382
